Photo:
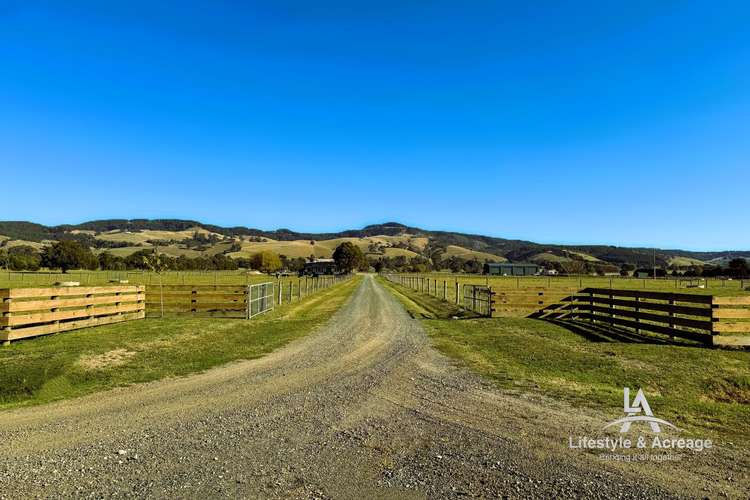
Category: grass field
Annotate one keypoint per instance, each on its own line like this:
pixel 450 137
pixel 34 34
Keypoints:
pixel 699 389
pixel 712 286
pixel 83 361
pixel 45 278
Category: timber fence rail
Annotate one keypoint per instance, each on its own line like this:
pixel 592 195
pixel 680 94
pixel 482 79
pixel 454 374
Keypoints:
pixel 708 319
pixel 29 312
pixel 228 301
pixel 474 298
pixel 731 321
pixel 483 299
pixel 711 320
pixel 233 301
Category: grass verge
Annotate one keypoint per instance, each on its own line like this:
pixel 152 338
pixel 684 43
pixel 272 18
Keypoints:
pixel 698 389
pixel 72 364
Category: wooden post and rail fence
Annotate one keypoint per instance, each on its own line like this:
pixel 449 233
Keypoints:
pixel 31 312
pixel 709 319
pixel 233 301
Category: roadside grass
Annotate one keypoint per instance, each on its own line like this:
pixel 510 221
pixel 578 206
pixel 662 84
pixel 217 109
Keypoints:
pixel 423 306
pixel 699 389
pixel 72 364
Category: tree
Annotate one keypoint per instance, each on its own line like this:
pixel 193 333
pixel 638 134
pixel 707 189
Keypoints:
pixel 738 267
pixel 155 264
pixel 473 266
pixel 349 257
pixel 109 262
pixel 266 262
pixel 378 265
pixel 69 254
pixel 23 258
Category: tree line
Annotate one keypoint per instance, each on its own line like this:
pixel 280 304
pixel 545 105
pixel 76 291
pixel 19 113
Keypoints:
pixel 74 254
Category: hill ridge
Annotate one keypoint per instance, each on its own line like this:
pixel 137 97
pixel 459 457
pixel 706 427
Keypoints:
pixel 510 249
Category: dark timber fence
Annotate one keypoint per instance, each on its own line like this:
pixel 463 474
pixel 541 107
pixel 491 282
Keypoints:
pixel 708 319
pixel 703 318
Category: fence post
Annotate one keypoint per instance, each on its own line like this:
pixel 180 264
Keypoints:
pixel 591 307
pixel 445 290
pixel 6 329
pixel 458 300
pixel 248 297
pixel 280 292
pixel 672 302
pixel 637 310
pixel 474 298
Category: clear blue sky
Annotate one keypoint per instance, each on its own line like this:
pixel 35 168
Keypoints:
pixel 593 122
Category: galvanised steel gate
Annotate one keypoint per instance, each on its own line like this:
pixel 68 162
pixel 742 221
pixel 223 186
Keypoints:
pixel 260 299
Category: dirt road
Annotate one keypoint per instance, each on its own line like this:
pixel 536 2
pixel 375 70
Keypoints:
pixel 362 408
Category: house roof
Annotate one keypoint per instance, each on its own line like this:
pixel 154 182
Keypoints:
pixel 321 261
pixel 512 264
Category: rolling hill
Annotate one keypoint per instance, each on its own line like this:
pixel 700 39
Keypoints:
pixel 193 238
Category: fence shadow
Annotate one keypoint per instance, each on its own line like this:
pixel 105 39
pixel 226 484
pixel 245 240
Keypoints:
pixel 563 314
pixel 607 333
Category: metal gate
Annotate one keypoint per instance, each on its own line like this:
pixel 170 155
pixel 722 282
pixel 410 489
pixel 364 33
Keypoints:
pixel 478 299
pixel 260 299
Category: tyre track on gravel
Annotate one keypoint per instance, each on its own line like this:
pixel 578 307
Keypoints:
pixel 362 408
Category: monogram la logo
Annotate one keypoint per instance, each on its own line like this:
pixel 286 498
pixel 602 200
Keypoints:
pixel 638 411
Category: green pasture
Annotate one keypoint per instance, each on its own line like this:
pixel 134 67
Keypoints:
pixel 79 362
pixel 11 279
pixel 712 286
pixel 701 390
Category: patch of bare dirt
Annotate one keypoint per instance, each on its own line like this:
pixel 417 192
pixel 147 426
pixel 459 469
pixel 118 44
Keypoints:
pixel 108 359
pixel 362 408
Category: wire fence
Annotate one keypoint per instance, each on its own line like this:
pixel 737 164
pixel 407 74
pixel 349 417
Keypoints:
pixel 708 286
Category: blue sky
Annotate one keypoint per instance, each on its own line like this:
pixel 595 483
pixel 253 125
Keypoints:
pixel 593 122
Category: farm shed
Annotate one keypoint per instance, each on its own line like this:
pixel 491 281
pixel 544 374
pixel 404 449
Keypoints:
pixel 511 269
pixel 319 267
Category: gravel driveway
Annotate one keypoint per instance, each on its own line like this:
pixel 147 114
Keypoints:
pixel 362 408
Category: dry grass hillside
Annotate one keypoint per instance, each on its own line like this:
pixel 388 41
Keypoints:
pixel 465 253
pixel 374 245
pixel 141 237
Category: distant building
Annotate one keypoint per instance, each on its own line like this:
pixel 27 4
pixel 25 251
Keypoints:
pixel 649 273
pixel 319 267
pixel 510 269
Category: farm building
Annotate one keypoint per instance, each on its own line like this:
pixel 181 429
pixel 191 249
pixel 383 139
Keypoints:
pixel 319 267
pixel 511 269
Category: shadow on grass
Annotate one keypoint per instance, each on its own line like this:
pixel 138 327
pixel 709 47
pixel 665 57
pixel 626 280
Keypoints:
pixel 598 332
